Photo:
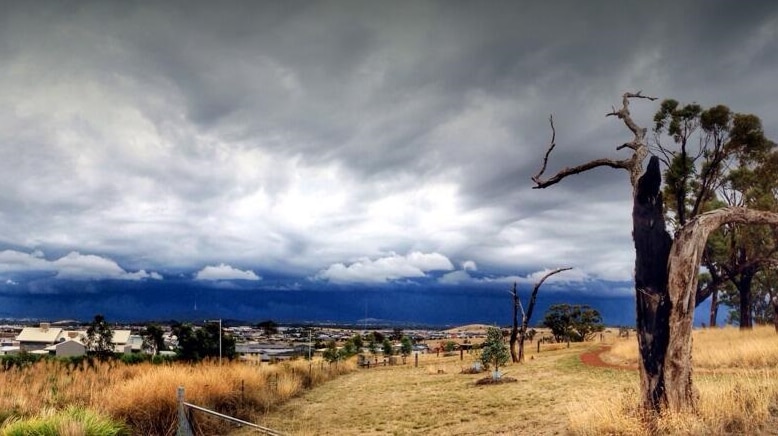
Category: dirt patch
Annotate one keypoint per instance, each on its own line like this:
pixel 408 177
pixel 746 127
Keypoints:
pixel 594 358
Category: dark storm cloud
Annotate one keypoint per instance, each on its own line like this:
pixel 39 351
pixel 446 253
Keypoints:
pixel 296 136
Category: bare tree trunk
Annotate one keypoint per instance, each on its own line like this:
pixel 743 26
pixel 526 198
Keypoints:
pixel 531 308
pixel 515 330
pixel 652 247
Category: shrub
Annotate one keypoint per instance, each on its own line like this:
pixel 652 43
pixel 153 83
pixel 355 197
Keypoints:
pixel 73 420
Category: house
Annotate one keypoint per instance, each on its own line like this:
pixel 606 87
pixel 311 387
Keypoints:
pixel 67 348
pixel 121 341
pixel 46 339
pixel 37 338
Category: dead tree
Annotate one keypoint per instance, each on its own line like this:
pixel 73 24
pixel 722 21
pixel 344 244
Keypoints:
pixel 519 334
pixel 666 268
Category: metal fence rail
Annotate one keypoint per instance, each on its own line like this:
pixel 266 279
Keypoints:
pixel 184 429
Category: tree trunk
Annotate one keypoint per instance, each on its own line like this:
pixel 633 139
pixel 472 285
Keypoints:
pixel 515 358
pixel 775 312
pixel 744 291
pixel 683 266
pixel 714 308
pixel 652 247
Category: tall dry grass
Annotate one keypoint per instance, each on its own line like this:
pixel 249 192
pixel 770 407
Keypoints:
pixel 716 349
pixel 143 396
pixel 738 388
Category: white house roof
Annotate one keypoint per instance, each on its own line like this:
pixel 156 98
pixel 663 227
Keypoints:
pixel 121 336
pixel 39 335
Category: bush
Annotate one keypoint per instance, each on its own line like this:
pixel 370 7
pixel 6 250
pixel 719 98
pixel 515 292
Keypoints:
pixel 73 420
pixel 19 361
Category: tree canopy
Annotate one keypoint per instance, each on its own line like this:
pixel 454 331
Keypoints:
pixel 574 323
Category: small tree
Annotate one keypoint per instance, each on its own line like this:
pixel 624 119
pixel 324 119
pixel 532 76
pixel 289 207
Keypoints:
pixel 574 323
pixel 331 353
pixel 372 346
pixel 153 339
pixel 406 346
pixel 99 338
pixel 493 350
pixel 449 346
pixel 387 347
pixel 358 342
pixel 268 327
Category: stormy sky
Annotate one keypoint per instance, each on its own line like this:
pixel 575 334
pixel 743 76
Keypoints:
pixel 343 142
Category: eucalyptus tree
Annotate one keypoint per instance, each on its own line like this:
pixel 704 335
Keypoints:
pixel 666 267
pixel 719 158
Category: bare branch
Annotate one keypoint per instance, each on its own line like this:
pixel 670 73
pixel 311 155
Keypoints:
pixel 551 146
pixel 549 274
pixel 633 164
pixel 624 164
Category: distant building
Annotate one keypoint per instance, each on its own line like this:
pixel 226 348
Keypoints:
pixel 44 338
pixel 37 338
pixel 67 348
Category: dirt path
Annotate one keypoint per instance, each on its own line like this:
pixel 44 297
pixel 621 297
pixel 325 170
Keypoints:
pixel 594 358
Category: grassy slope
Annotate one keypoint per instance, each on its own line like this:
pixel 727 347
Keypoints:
pixel 555 394
pixel 409 400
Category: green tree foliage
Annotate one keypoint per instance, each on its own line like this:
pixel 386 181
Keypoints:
pixel 197 344
pixel 99 338
pixel 378 337
pixel 153 339
pixel 372 345
pixel 406 346
pixel 387 347
pixel 268 327
pixel 494 351
pixel 358 342
pixel 574 323
pixel 721 158
pixel 331 353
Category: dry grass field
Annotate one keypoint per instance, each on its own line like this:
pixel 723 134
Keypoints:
pixel 555 393
pixel 436 398
pixel 143 396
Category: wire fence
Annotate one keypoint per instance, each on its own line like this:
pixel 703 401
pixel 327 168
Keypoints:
pixel 184 423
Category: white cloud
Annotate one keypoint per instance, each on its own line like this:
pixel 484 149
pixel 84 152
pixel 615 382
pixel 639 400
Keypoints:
pixel 385 269
pixel 455 278
pixel 73 266
pixel 76 266
pixel 225 272
pixel 469 265
pixel 11 282
pixel 573 276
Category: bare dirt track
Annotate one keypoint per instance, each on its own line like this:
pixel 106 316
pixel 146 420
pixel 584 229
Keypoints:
pixel 594 358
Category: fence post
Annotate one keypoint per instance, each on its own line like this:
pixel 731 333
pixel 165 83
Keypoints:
pixel 183 422
pixel 416 360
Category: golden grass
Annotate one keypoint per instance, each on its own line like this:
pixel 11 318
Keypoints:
pixel 555 393
pixel 144 396
pixel 736 376
pixel 716 349
pixel 437 398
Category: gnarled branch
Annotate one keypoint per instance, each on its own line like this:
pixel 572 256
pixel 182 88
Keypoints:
pixel 633 164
